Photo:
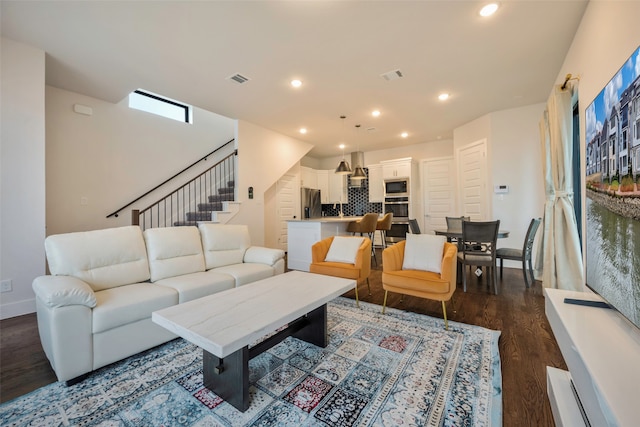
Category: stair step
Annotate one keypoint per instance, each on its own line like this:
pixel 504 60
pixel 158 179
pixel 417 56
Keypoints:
pixel 215 206
pixel 185 223
pixel 225 190
pixel 231 184
pixel 226 197
pixel 198 216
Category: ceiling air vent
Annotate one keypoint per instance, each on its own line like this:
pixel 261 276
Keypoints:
pixel 238 78
pixel 392 75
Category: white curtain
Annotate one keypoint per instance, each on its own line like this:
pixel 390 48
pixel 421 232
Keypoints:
pixel 559 253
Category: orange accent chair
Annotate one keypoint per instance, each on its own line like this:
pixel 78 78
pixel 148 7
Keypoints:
pixel 419 283
pixel 359 271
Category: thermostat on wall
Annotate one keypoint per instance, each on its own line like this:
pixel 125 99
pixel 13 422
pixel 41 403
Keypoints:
pixel 501 189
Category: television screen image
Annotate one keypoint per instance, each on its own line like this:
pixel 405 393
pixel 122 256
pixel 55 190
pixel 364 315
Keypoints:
pixel 612 170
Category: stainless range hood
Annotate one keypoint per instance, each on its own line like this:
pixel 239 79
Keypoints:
pixel 357 159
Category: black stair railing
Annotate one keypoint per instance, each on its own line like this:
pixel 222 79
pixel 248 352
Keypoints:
pixel 204 158
pixel 194 201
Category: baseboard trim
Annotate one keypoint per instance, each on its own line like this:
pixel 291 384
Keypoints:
pixel 18 308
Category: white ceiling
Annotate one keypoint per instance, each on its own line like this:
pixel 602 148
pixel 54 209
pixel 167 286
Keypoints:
pixel 186 50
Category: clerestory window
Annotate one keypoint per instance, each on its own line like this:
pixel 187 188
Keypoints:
pixel 160 105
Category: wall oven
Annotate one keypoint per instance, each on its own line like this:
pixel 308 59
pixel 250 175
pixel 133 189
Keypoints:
pixel 396 187
pixel 399 206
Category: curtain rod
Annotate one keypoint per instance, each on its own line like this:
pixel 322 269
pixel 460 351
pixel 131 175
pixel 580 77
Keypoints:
pixel 566 80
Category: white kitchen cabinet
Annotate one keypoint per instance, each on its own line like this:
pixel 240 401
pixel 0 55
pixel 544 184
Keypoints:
pixel 308 177
pixel 399 168
pixel 337 188
pixel 376 184
pixel 323 186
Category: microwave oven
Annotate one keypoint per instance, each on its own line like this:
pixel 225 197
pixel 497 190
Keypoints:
pixel 396 187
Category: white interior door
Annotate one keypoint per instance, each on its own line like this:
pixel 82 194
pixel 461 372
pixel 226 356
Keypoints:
pixel 286 202
pixel 438 190
pixel 472 179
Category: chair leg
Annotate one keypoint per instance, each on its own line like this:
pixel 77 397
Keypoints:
pixel 494 275
pixel 373 249
pixel 369 286
pixel 384 303
pixel 524 272
pixel 357 300
pixel 501 261
pixel 444 312
pixel 464 278
pixel 453 304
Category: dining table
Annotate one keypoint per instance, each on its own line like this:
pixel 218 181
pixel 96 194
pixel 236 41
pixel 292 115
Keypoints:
pixel 457 233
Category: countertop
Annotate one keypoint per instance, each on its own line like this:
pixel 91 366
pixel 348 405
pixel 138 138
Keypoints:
pixel 328 219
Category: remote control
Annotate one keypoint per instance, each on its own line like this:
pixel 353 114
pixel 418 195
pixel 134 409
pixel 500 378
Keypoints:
pixel 600 304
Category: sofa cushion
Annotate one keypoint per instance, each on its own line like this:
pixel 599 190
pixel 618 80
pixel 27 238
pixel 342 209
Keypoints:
pixel 173 251
pixel 127 304
pixel 224 244
pixel 344 249
pixel 423 252
pixel 102 258
pixel 197 285
pixel 246 272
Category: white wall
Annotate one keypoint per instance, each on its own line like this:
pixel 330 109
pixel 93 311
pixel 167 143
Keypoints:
pixel 608 34
pixel 263 157
pixel 22 174
pixel 513 158
pixel 115 155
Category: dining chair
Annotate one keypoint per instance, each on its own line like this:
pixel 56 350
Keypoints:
pixel 454 223
pixel 365 226
pixel 383 226
pixel 478 248
pixel 523 254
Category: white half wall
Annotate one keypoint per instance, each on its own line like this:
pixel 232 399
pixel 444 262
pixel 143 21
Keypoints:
pixel 22 174
pixel 263 157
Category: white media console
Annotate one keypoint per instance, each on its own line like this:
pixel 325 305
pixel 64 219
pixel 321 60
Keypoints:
pixel 602 352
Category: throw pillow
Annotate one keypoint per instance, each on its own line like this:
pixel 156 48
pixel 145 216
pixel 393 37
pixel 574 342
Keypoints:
pixel 423 252
pixel 344 249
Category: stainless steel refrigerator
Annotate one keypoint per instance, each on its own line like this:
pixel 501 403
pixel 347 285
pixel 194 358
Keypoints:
pixel 311 206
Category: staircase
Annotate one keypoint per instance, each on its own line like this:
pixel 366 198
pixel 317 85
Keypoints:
pixel 215 206
pixel 209 197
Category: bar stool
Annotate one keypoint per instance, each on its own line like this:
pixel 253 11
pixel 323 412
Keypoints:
pixel 366 226
pixel 383 226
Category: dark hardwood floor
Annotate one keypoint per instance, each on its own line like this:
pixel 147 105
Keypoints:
pixel 526 344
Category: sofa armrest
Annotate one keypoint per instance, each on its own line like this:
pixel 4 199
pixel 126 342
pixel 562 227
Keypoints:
pixel 262 255
pixel 449 267
pixel 320 249
pixel 60 291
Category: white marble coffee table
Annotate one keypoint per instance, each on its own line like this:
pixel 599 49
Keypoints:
pixel 226 323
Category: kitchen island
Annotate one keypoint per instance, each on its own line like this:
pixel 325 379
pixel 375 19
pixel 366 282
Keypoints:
pixel 303 233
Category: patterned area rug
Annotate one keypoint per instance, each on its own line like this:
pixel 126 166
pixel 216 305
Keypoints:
pixel 378 370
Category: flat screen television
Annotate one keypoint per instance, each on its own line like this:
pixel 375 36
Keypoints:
pixel 612 170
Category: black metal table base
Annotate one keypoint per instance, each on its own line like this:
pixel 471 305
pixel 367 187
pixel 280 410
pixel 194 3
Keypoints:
pixel 228 377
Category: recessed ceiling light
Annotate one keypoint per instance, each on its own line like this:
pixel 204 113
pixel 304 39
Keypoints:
pixel 296 83
pixel 303 130
pixel 404 134
pixel 375 113
pixel 489 9
pixel 443 96
pixel 341 146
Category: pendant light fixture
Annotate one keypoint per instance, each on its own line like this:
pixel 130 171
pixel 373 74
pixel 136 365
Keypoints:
pixel 358 172
pixel 343 168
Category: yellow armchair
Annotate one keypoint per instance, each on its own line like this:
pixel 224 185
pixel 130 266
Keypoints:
pixel 419 283
pixel 358 271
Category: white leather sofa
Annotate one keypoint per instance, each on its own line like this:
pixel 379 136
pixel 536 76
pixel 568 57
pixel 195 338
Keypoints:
pixel 95 307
